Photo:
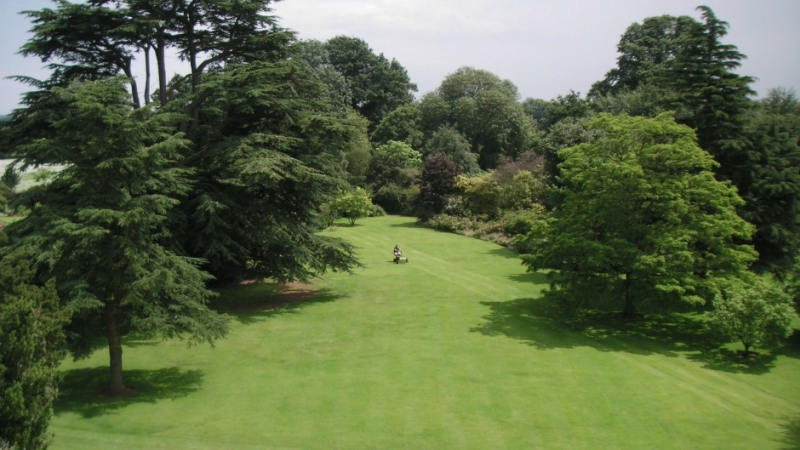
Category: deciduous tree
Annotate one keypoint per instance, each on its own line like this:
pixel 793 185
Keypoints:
pixel 378 85
pixel 643 224
pixel 352 205
pixel 753 310
pixel 482 108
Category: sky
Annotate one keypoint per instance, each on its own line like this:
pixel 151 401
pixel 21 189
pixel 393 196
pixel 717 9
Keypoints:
pixel 545 47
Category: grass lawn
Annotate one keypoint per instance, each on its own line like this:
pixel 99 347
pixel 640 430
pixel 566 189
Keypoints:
pixel 450 351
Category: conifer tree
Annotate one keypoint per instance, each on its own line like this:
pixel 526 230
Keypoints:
pixel 100 227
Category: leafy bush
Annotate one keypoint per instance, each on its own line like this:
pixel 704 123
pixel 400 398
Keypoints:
pixel 376 211
pixel 755 310
pixel 521 222
pixel 448 223
pixel 395 199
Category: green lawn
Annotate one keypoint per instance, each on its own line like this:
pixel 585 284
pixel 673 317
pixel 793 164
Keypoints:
pixel 450 351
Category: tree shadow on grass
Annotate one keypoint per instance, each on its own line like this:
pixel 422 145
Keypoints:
pixel 81 390
pixel 254 302
pixel 541 324
pixel 531 277
pixel 791 433
pixel 409 224
pixel 505 253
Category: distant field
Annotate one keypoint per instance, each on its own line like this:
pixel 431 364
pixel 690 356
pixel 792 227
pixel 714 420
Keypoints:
pixel 451 351
pixel 28 177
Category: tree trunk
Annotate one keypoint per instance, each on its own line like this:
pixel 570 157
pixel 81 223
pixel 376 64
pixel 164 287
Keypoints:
pixel 162 67
pixel 147 74
pixel 134 87
pixel 630 308
pixel 116 386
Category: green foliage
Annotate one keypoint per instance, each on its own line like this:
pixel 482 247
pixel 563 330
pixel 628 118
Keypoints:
pixel 564 134
pixel 642 223
pixel 403 124
pixel 481 196
pixel 338 92
pixel 448 141
pixel 521 222
pixel 647 50
pixel 378 86
pixel 268 155
pixel 353 205
pixel 448 223
pixel 771 189
pixel 402 152
pixel 714 97
pixel 436 184
pixel 395 199
pixel 484 110
pixel 358 153
pixel 394 163
pixel 99 227
pixel 754 310
pixel 549 113
pixel 523 192
pixel 32 336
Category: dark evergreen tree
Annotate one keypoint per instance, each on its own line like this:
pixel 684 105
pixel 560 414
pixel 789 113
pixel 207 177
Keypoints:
pixel 771 189
pixel 714 98
pixel 100 227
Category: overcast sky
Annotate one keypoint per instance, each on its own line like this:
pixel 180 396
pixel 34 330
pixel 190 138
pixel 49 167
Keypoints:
pixel 545 47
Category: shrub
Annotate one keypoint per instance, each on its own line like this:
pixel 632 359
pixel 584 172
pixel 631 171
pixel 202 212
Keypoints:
pixel 521 222
pixel 376 211
pixel 451 224
pixel 395 199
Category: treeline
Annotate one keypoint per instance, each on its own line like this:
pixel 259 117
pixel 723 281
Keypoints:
pixel 228 173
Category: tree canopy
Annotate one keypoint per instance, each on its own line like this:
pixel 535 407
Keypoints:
pixel 484 109
pixel 643 224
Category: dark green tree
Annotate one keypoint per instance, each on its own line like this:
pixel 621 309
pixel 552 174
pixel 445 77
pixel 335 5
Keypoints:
pixel 449 141
pixel 100 227
pixel 482 108
pixel 714 99
pixel 643 224
pixel 437 183
pixel 771 189
pixel 647 50
pixel 378 85
pixel 404 124
pixel 32 336
pixel 549 113
pixel 268 155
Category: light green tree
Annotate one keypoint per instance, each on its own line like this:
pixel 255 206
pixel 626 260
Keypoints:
pixel 481 195
pixel 352 205
pixel 642 223
pixel 754 310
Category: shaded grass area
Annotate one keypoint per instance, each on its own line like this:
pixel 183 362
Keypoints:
pixel 452 351
pixel 791 437
pixel 254 301
pixel 82 390
pixel 543 325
